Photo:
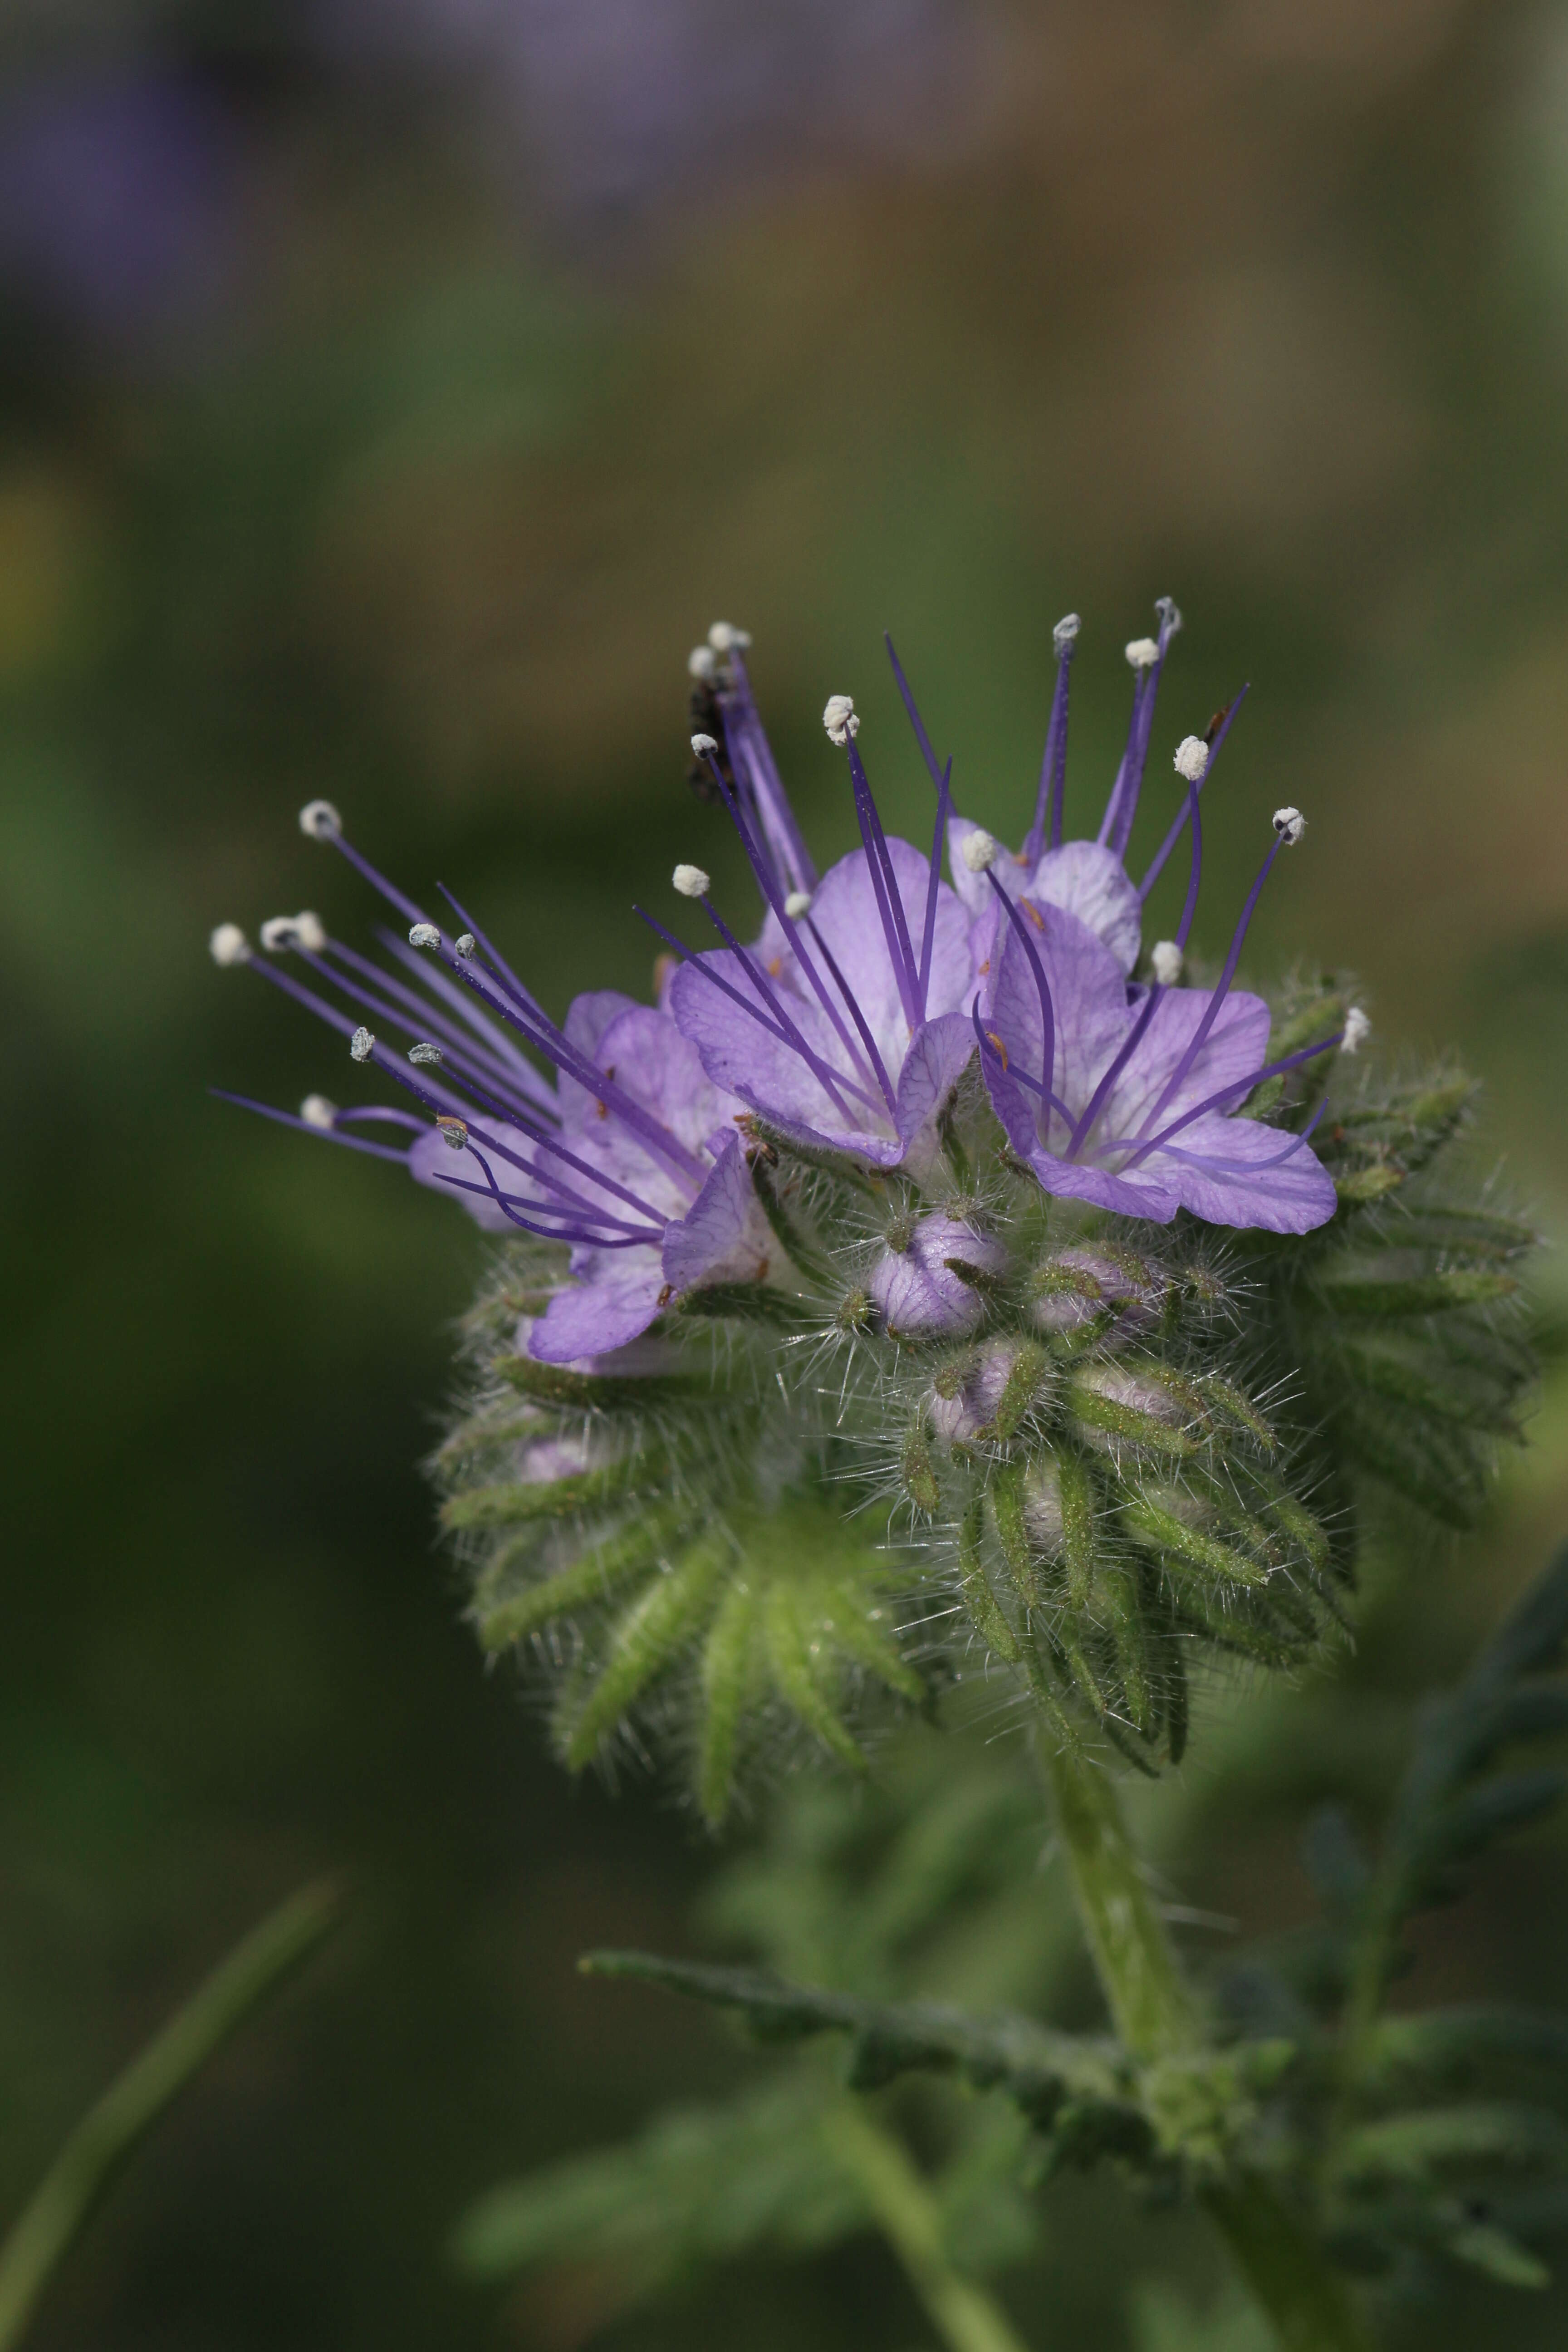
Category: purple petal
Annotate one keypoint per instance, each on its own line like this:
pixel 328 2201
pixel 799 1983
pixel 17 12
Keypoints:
pixel 1238 1172
pixel 600 1315
pixel 916 1289
pixel 724 1236
pixel 1083 878
pixel 939 1053
pixel 1234 1049
pixel 433 1161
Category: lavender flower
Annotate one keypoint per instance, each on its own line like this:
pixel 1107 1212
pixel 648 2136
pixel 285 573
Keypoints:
pixel 631 1156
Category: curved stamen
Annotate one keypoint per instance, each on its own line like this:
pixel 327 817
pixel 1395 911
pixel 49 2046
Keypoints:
pixel 1248 1167
pixel 771 998
pixel 458 1054
pixel 308 1127
pixel 1141 1148
pixel 1053 762
pixel 1042 988
pixel 580 1236
pixel 890 905
pixel 1157 866
pixel 1084 1127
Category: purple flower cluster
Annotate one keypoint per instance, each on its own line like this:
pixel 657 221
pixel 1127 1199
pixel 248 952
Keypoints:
pixel 845 1024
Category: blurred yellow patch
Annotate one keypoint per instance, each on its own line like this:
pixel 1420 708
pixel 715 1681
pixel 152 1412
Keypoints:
pixel 40 545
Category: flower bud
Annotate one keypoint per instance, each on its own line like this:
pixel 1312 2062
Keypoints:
pixel 1082 1285
pixel 918 1287
pixel 986 1395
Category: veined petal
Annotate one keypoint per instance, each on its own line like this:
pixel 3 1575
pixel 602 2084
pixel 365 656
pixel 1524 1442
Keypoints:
pixel 1238 1171
pixel 724 1236
pixel 1082 877
pixel 616 1303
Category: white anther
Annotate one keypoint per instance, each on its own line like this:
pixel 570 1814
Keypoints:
pixel 726 639
pixel 228 944
pixel 797 905
pixel 465 943
pixel 454 1132
pixel 705 746
pixel 425 935
pixel 1142 653
pixel 841 720
pixel 317 1111
pixel 321 820
pixel 425 1052
pixel 1170 613
pixel 1064 635
pixel 978 850
pixel 1167 959
pixel 1191 759
pixel 702 662
pixel 1289 825
pixel 692 882
pixel 361 1044
pixel 304 930
pixel 1357 1029
pixel 310 932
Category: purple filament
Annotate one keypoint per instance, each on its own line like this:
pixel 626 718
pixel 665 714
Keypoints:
pixel 1158 865
pixel 934 884
pixel 888 904
pixel 933 767
pixel 1122 807
pixel 778 819
pixel 761 983
pixel 1222 987
pixel 1041 986
pixel 308 1127
pixel 1237 1086
pixel 1053 766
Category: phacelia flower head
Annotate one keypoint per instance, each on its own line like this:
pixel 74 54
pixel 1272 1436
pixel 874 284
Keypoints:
pixel 620 1146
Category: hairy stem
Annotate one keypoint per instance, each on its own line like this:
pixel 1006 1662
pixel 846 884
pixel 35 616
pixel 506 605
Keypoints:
pixel 907 2213
pixel 107 2133
pixel 1308 2303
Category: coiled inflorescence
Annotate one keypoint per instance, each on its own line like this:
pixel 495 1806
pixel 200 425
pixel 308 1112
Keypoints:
pixel 935 1283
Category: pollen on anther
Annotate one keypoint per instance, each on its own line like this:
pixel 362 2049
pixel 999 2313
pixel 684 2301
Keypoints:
pixel 361 1044
pixel 1192 758
pixel 797 905
pixel 321 820
pixel 228 945
pixel 702 662
pixel 705 746
pixel 692 882
pixel 840 718
pixel 317 1111
pixel 465 943
pixel 425 935
pixel 1357 1029
pixel 1142 653
pixel 726 639
pixel 425 1051
pixel 979 850
pixel 1167 959
pixel 1289 825
pixel 1065 634
pixel 453 1131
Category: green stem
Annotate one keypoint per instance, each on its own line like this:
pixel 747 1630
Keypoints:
pixel 1307 2302
pixel 1132 1953
pixel 909 2218
pixel 106 2134
pixel 1310 2304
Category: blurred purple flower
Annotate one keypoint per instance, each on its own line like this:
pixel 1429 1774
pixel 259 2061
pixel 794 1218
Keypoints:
pixel 114 199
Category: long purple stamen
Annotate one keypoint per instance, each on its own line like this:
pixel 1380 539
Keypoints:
pixel 771 998
pixel 767 882
pixel 890 905
pixel 1041 986
pixel 1249 1167
pixel 1224 1094
pixel 1222 987
pixel 754 752
pixel 588 1236
pixel 933 766
pixel 1084 1127
pixel 1116 826
pixel 309 1126
pixel 878 1067
pixel 1053 764
pixel 1189 806
pixel 934 884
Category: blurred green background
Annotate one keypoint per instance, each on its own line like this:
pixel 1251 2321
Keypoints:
pixel 392 390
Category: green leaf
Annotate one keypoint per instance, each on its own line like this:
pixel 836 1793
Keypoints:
pixel 1430 1293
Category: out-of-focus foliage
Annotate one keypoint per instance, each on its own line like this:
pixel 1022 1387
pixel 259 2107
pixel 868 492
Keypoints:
pixel 347 447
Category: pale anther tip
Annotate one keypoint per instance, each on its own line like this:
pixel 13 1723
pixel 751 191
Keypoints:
pixel 361 1044
pixel 280 932
pixel 798 904
pixel 1142 653
pixel 705 746
pixel 465 943
pixel 1357 1029
pixel 1167 959
pixel 228 945
pixel 1289 825
pixel 1192 758
pixel 453 1131
pixel 692 882
pixel 317 1111
pixel 702 663
pixel 840 718
pixel 1064 635
pixel 425 935
pixel 978 850
pixel 726 639
pixel 321 820
pixel 425 1051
